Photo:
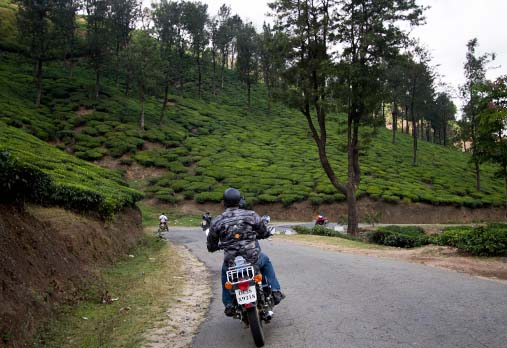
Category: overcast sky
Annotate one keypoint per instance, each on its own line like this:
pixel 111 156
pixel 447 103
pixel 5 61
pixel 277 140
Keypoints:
pixel 449 25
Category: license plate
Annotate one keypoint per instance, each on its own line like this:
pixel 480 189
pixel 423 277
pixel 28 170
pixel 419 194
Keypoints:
pixel 247 296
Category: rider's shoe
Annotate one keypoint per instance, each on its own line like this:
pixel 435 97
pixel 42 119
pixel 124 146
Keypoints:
pixel 278 296
pixel 230 311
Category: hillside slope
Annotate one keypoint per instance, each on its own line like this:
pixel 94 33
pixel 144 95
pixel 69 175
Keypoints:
pixel 204 146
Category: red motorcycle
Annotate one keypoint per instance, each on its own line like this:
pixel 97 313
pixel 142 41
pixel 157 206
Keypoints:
pixel 321 220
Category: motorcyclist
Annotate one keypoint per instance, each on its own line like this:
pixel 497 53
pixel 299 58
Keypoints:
pixel 207 218
pixel 163 219
pixel 238 230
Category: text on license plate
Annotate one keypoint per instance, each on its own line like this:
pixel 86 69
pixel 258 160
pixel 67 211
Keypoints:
pixel 247 296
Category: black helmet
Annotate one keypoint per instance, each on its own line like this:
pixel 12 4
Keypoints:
pixel 231 197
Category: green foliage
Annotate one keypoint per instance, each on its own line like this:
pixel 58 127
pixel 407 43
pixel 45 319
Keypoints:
pixel 32 170
pixel 323 231
pixel 490 240
pixel 268 155
pixel 399 236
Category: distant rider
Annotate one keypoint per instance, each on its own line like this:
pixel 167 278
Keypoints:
pixel 238 230
pixel 163 219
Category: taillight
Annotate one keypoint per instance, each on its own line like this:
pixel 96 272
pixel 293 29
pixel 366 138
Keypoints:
pixel 244 285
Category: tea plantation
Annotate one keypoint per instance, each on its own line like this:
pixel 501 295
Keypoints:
pixel 208 144
pixel 31 169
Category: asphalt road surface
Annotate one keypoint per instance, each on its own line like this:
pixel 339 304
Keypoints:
pixel 341 300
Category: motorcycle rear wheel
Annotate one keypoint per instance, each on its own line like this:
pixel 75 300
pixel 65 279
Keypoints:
pixel 256 326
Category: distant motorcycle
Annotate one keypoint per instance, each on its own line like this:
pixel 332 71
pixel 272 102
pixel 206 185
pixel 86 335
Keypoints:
pixel 321 221
pixel 163 227
pixel 252 298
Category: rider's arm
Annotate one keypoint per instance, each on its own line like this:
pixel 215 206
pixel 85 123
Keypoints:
pixel 213 238
pixel 261 229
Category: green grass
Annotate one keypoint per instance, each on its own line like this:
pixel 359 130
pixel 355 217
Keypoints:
pixel 337 242
pixel 142 301
pixel 176 218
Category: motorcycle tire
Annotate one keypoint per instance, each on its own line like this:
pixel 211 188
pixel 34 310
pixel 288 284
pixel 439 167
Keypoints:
pixel 256 326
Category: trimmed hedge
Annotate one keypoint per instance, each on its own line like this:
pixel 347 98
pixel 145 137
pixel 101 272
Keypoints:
pixel 490 240
pixel 323 231
pixel 32 170
pixel 399 236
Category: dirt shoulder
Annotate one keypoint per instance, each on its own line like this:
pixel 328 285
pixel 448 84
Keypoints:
pixel 48 258
pixel 494 268
pixel 184 316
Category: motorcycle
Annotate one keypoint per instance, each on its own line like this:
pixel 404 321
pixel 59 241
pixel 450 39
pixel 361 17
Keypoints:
pixel 252 298
pixel 163 227
pixel 321 221
pixel 205 225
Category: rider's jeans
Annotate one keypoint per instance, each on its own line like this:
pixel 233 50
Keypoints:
pixel 267 271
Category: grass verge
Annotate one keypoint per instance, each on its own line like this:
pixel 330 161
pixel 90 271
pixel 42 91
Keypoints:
pixel 325 240
pixel 176 218
pixel 142 284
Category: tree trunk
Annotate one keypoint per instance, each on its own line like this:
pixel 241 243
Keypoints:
pixel 395 121
pixel 164 103
pixel 477 175
pixel 505 188
pixel 445 130
pixel 414 134
pixel 225 54
pixel 97 83
pixel 214 72
pixel 353 173
pixel 249 87
pixel 352 218
pixel 142 108
pixel 406 118
pixel 199 73
pixel 38 82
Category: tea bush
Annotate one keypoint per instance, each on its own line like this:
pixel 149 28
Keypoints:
pixel 399 236
pixel 268 154
pixel 490 240
pixel 32 170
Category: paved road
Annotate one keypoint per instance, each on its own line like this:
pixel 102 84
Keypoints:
pixel 341 300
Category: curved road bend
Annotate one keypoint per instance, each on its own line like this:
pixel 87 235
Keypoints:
pixel 350 301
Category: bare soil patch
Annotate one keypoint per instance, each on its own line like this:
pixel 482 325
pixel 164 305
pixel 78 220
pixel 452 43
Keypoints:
pixel 438 256
pixel 82 111
pixel 184 316
pixel 48 257
pixel 401 213
pixel 137 172
pixel 149 145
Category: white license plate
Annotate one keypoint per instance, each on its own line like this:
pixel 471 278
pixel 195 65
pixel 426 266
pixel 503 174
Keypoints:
pixel 247 296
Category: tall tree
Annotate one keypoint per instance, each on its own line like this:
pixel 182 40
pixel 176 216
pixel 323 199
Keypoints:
pixel 475 74
pixel 247 57
pixel 369 34
pixel 491 137
pixel 167 18
pixel 123 17
pixel 195 18
pixel 143 54
pixel 35 30
pixel 223 38
pixel 64 20
pixel 273 46
pixel 98 35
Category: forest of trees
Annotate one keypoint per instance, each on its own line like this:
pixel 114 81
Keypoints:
pixel 320 57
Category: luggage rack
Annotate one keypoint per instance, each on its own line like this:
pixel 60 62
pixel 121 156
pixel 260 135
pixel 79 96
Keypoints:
pixel 240 273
